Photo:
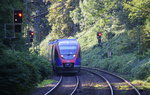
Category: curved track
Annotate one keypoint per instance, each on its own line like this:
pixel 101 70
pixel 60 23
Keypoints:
pixel 61 86
pixel 108 83
pixel 51 90
pixel 108 75
pixel 76 87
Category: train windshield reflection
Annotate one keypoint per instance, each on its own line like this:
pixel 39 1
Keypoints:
pixel 68 49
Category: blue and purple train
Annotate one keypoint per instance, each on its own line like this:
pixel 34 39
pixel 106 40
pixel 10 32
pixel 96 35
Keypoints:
pixel 65 55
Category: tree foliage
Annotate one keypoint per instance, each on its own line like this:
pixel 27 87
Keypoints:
pixel 20 71
pixel 59 17
pixel 124 24
pixel 138 8
pixel 126 34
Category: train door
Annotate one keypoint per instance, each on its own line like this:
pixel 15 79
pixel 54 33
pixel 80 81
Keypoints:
pixel 53 57
pixel 56 56
pixel 79 54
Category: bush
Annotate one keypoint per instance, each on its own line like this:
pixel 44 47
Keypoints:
pixel 20 72
pixel 42 65
pixel 143 71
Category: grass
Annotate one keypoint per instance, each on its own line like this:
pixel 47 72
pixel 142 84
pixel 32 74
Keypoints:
pixel 45 82
pixel 123 87
pixel 144 85
pixel 99 86
pixel 123 92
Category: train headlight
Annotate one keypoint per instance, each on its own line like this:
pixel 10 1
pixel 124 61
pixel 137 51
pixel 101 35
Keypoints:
pixel 62 56
pixel 74 55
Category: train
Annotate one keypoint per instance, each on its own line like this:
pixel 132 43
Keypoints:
pixel 65 55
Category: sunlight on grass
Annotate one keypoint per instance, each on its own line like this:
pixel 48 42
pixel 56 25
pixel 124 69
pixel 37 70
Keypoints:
pixel 122 86
pixel 142 84
pixel 99 86
pixel 95 85
pixel 45 82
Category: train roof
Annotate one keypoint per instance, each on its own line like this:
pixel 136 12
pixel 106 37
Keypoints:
pixel 51 43
pixel 65 42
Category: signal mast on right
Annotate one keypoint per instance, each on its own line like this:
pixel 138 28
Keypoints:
pixel 99 35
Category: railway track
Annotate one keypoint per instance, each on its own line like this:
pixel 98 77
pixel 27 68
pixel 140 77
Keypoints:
pixel 108 76
pixel 60 86
pixel 51 90
pixel 107 82
pixel 93 81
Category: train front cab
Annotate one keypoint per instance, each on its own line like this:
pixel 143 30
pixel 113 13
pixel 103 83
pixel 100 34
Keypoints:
pixel 63 62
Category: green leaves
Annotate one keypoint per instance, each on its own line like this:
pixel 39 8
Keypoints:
pixel 20 72
pixel 58 17
pixel 138 8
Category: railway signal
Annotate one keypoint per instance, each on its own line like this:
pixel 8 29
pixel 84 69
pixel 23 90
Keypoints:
pixel 18 16
pixel 99 35
pixel 31 35
pixel 18 20
pixel 17 28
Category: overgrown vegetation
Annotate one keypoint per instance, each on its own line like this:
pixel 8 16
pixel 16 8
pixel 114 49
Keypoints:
pixel 142 84
pixel 129 55
pixel 45 82
pixel 20 69
pixel 125 25
pixel 59 18
pixel 20 72
pixel 126 36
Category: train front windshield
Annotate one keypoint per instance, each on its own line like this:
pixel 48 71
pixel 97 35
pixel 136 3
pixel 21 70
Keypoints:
pixel 68 51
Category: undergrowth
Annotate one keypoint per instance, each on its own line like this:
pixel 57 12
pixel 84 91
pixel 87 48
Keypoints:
pixel 124 58
pixel 20 71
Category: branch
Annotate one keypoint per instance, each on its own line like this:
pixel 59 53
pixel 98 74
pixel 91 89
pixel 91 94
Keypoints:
pixel 137 7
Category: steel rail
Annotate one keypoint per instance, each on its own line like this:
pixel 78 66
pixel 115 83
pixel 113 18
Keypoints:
pixel 58 83
pixel 117 77
pixel 111 89
pixel 77 85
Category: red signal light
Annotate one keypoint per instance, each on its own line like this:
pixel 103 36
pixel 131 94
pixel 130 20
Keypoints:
pixel 32 33
pixel 20 14
pixel 99 34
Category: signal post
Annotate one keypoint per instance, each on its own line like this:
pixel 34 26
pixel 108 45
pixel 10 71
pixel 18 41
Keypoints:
pixel 12 28
pixel 99 35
